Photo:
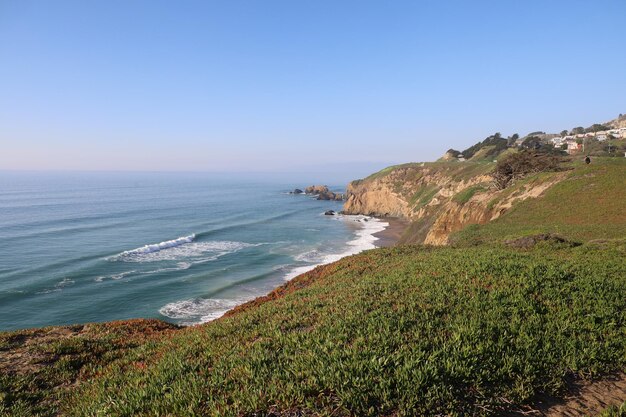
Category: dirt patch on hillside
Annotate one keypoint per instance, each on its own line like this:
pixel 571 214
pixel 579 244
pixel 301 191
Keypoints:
pixel 27 351
pixel 583 399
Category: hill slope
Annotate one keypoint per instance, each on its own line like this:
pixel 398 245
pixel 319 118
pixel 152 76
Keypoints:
pixel 445 197
pixel 482 327
pixel 400 331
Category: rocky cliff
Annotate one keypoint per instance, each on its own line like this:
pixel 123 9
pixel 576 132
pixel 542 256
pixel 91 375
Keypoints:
pixel 439 198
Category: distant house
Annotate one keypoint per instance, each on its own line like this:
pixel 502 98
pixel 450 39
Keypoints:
pixel 601 138
pixel 558 141
pixel 573 147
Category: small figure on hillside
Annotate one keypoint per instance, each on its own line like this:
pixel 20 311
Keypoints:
pixel 587 160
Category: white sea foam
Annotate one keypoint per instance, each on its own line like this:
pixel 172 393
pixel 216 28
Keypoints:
pixel 58 286
pixel 198 310
pixel 160 246
pixel 364 240
pixel 181 248
pixel 64 283
pixel 202 310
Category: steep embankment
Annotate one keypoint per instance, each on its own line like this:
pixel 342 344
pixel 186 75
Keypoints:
pixel 440 198
pixel 476 329
pixel 401 331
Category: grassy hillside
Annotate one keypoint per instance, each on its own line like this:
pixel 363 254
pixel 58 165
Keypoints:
pixel 590 203
pixel 390 332
pixel 478 328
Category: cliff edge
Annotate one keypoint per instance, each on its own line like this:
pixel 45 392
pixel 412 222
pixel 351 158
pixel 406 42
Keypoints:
pixel 440 198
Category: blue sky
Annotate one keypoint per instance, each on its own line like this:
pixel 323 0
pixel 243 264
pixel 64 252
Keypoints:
pixel 287 85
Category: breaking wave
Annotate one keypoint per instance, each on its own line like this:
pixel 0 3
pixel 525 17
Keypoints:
pixel 159 246
pixel 180 248
pixel 364 240
pixel 198 310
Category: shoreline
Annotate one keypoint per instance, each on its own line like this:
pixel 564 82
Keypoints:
pixel 392 233
pixel 385 238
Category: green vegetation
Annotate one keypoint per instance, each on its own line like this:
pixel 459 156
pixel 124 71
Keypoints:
pixel 423 197
pixel 607 148
pixel 37 367
pixel 614 411
pixel 587 204
pixel 511 312
pixel 597 128
pixel 520 164
pixel 496 143
pixel 464 196
pixel 400 331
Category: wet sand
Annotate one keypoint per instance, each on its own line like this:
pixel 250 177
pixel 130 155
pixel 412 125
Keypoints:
pixel 391 235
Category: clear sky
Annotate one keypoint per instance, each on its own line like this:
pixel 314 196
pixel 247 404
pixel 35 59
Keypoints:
pixel 285 85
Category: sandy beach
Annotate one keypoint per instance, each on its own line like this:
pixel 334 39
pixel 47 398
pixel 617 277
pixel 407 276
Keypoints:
pixel 392 233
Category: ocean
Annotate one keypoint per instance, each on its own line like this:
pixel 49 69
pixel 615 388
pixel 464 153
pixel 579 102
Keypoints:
pixel 185 248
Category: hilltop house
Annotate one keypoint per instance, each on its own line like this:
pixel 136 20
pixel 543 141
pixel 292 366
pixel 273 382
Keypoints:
pixel 573 147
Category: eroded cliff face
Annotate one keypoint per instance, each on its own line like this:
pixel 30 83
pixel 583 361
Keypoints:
pixel 438 198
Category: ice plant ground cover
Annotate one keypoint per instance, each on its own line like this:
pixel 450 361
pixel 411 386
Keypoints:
pixel 405 330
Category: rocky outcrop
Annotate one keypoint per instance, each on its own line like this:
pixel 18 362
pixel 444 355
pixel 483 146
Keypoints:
pixel 330 196
pixel 323 193
pixel 438 198
pixel 316 189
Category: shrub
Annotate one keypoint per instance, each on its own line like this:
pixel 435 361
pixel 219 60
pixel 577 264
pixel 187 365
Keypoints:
pixel 521 164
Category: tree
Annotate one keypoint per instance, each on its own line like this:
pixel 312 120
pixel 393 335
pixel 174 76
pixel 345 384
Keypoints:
pixel 453 152
pixel 563 132
pixel 520 164
pixel 578 130
pixel 532 142
pixel 596 128
pixel 512 139
pixel 499 144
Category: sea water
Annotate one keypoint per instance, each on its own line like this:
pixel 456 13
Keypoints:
pixel 86 247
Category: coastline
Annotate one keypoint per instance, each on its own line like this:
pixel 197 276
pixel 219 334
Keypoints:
pixel 391 235
pixel 364 240
pixel 306 275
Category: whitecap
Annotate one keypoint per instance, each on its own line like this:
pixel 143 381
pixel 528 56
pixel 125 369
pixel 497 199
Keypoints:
pixel 160 246
pixel 309 256
pixel 198 310
pixel 364 240
pixel 64 283
pixel 181 248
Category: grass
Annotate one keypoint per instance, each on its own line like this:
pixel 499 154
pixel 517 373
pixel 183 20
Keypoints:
pixel 401 331
pixel 45 363
pixel 466 195
pixel 588 204
pixel 423 196
pixel 614 411
pixel 470 330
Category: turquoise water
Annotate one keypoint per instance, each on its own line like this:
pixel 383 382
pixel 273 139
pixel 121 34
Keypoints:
pixel 84 247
